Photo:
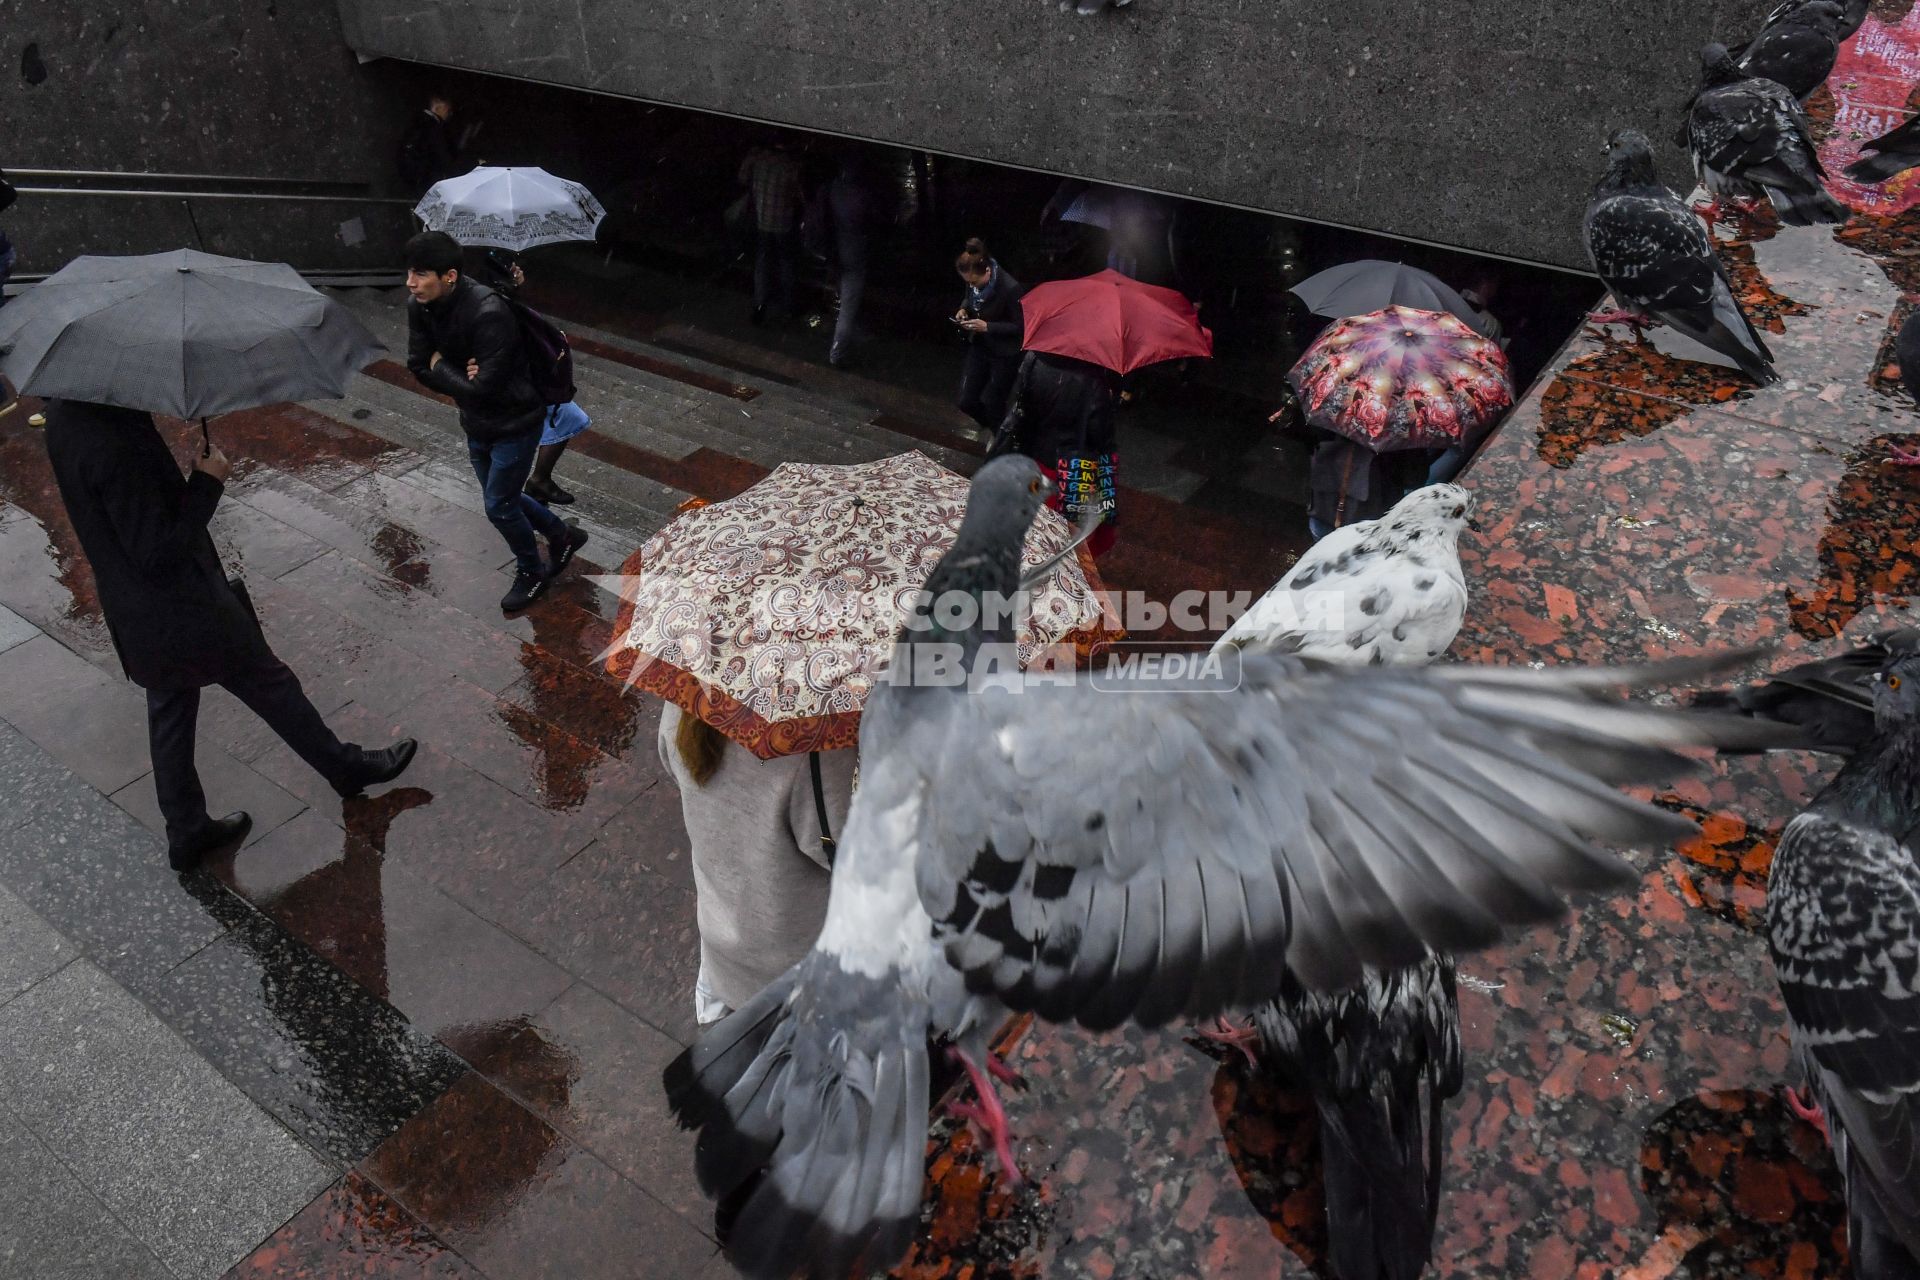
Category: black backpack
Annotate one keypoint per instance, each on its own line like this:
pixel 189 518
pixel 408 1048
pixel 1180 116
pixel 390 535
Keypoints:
pixel 549 358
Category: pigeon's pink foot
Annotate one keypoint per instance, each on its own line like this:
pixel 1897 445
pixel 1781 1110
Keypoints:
pixel 1903 457
pixel 987 1114
pixel 999 1070
pixel 1808 1110
pixel 1709 211
pixel 1243 1037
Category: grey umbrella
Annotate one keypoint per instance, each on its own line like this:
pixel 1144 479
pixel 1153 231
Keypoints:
pixel 182 333
pixel 1369 285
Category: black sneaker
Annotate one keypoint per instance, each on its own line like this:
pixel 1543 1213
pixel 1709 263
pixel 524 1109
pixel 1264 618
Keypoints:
pixel 561 549
pixel 526 588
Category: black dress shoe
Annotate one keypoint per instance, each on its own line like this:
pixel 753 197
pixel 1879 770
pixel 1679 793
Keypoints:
pixel 377 767
pixel 216 835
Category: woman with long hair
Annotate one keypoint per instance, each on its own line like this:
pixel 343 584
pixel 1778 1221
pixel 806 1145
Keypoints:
pixel 759 859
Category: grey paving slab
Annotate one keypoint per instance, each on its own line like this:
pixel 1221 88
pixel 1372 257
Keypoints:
pixel 335 1064
pixel 14 629
pixel 180 1156
pixel 54 1228
pixel 32 780
pixel 93 872
pixel 30 949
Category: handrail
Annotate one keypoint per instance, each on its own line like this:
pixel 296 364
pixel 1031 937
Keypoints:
pixel 186 177
pixel 125 193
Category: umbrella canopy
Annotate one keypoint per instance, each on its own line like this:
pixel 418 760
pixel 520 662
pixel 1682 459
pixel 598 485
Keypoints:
pixel 183 333
pixel 1112 207
pixel 770 615
pixel 1357 288
pixel 510 208
pixel 1113 321
pixel 1402 379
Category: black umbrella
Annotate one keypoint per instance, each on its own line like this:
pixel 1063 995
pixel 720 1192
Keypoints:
pixel 184 333
pixel 1369 285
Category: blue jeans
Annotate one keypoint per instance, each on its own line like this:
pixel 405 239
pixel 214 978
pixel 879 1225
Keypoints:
pixel 503 467
pixel 1317 529
pixel 774 267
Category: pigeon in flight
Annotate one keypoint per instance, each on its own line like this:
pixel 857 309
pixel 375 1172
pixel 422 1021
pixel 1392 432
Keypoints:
pixel 1797 51
pixel 1750 138
pixel 1659 262
pixel 1831 699
pixel 1894 152
pixel 1379 1059
pixel 1380 591
pixel 1098 852
pixel 1843 924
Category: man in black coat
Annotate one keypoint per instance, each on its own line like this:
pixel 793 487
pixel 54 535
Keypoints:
pixel 464 341
pixel 427 149
pixel 176 621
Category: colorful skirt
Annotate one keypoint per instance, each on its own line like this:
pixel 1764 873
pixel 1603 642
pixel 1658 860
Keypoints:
pixel 1087 484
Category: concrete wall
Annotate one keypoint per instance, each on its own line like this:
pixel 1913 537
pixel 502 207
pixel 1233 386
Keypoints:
pixel 1468 122
pixel 239 87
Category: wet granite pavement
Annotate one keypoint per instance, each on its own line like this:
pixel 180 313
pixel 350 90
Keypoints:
pixel 423 1030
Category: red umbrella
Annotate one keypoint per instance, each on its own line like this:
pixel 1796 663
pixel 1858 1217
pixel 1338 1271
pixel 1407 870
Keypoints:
pixel 1402 379
pixel 1113 321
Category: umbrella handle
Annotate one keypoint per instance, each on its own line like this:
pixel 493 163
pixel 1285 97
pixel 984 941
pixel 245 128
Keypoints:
pixel 206 445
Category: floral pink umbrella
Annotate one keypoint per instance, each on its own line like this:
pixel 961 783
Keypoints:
pixel 1402 379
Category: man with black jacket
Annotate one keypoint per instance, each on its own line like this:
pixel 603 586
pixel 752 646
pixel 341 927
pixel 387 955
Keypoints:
pixel 464 341
pixel 177 622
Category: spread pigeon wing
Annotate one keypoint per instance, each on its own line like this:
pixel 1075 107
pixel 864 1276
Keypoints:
pixel 1102 856
pixel 1844 928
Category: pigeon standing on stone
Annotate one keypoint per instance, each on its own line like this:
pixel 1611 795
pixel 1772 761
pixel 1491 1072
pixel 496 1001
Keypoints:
pixel 1750 138
pixel 1831 699
pixel 1380 591
pixel 1659 262
pixel 1853 15
pixel 1797 51
pixel 1379 1059
pixel 1097 852
pixel 1843 924
pixel 1893 153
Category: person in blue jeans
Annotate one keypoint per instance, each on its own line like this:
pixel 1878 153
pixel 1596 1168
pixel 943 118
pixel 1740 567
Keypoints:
pixel 464 342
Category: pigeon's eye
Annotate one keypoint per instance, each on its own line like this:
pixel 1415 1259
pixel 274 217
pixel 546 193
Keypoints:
pixel 1893 682
pixel 1033 486
pixel 1458 512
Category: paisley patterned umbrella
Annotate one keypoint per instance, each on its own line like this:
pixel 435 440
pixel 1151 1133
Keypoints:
pixel 510 208
pixel 770 614
pixel 1402 379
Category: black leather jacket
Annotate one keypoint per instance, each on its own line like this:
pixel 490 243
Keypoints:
pixel 474 322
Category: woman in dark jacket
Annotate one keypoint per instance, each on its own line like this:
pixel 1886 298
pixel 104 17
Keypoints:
pixel 1062 415
pixel 990 317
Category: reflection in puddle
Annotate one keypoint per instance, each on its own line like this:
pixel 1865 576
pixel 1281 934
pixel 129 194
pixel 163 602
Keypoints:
pixel 1740 1188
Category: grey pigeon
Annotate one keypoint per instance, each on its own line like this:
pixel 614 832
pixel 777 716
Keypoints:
pixel 1798 50
pixel 1659 262
pixel 1098 853
pixel 1843 924
pixel 1750 138
pixel 1893 153
pixel 1379 1059
pixel 1830 699
pixel 1377 591
pixel 1380 1062
pixel 1853 15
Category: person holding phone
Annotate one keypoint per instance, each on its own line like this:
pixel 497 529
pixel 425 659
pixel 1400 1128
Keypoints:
pixel 990 319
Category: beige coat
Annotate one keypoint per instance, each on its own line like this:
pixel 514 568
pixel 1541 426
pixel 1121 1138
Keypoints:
pixel 758 867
